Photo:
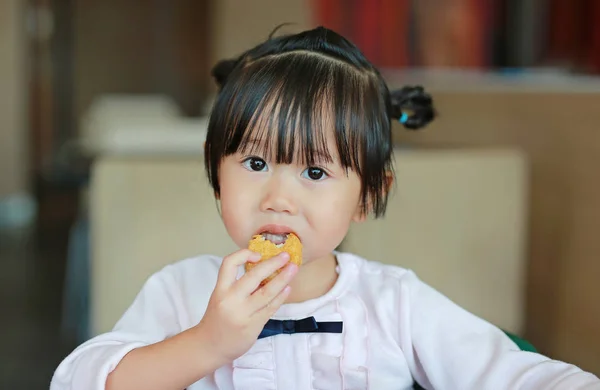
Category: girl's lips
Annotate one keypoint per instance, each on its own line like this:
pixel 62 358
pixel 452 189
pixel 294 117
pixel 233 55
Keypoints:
pixel 277 239
pixel 275 229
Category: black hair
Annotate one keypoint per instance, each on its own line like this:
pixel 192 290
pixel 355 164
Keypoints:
pixel 277 95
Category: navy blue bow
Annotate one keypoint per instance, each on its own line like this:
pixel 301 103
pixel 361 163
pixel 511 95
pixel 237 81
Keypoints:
pixel 306 325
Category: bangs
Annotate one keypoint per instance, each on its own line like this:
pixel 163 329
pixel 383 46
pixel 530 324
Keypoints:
pixel 288 107
pixel 285 107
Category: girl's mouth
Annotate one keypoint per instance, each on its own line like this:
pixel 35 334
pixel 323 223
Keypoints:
pixel 277 239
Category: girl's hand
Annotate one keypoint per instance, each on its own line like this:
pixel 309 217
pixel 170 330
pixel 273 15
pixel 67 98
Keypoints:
pixel 238 309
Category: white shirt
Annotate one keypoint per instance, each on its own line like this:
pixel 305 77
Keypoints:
pixel 396 329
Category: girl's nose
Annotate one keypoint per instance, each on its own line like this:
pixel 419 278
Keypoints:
pixel 279 196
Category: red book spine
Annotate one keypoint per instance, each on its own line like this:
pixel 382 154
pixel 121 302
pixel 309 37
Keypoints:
pixel 594 54
pixel 394 43
pixel 367 21
pixel 329 13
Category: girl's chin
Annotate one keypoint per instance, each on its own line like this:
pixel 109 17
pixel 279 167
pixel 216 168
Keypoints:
pixel 308 258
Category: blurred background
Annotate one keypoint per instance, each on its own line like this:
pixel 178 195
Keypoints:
pixel 103 109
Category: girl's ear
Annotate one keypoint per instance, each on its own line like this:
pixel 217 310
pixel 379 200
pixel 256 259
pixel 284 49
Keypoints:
pixel 389 181
pixel 359 214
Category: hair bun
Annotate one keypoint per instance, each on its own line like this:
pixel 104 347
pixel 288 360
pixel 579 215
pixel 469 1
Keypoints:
pixel 222 70
pixel 413 106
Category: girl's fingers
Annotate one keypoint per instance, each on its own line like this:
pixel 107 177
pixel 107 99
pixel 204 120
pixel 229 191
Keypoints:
pixel 229 268
pixel 253 278
pixel 267 294
pixel 271 307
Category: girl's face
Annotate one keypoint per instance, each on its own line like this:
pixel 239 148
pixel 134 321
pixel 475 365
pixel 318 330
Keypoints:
pixel 318 203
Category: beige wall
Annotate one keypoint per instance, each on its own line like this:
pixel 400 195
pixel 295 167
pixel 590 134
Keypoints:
pixel 559 133
pixel 13 131
pixel 237 25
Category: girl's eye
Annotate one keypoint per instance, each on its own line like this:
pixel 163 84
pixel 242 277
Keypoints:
pixel 255 164
pixel 314 174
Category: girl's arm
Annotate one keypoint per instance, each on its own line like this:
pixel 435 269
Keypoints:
pixel 188 320
pixel 449 348
pixel 151 319
pixel 174 363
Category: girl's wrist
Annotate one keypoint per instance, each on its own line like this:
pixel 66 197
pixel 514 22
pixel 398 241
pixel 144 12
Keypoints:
pixel 207 348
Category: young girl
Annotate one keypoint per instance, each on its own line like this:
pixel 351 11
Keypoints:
pixel 299 141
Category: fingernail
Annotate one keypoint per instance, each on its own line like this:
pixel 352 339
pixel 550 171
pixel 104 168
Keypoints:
pixel 285 255
pixel 291 268
pixel 254 256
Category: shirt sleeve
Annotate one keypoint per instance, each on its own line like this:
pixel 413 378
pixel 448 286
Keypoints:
pixel 151 318
pixel 447 347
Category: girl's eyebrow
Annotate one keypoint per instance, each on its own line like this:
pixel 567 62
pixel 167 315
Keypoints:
pixel 320 157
